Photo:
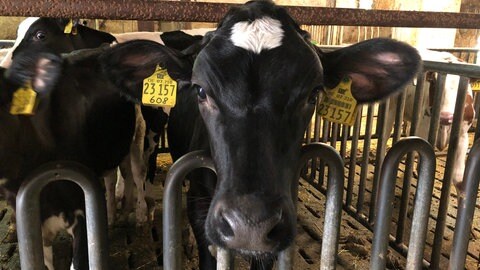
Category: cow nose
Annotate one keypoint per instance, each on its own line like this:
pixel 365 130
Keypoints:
pixel 252 227
pixel 446 118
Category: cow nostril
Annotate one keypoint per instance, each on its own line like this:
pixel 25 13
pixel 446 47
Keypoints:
pixel 277 231
pixel 224 227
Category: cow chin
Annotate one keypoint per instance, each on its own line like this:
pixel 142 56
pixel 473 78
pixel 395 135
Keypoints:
pixel 253 225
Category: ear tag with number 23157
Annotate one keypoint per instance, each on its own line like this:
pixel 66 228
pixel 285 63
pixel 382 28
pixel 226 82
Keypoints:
pixel 338 104
pixel 159 90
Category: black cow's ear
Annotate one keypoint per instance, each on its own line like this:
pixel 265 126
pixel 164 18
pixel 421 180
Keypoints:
pixel 377 67
pixel 39 69
pixel 128 64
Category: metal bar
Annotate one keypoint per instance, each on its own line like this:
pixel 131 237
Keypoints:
pixel 366 153
pixel 417 110
pixel 172 247
pixel 462 69
pixel 422 202
pixel 448 174
pixel 343 144
pixel 28 213
pixel 285 259
pixel 400 109
pixel 466 209
pixel 379 155
pixel 333 211
pixel 225 260
pixel 353 158
pixel 435 116
pixel 213 12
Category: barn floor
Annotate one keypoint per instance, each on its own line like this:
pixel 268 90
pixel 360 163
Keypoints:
pixel 141 248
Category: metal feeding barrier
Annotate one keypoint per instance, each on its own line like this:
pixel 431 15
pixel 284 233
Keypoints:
pixel 363 161
pixel 28 213
pixel 172 250
pixel 386 195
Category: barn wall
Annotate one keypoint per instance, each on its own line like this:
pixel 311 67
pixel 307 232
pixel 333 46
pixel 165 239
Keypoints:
pixel 468 37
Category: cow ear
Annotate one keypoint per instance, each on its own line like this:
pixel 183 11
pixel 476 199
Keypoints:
pixel 41 70
pixel 128 64
pixel 377 67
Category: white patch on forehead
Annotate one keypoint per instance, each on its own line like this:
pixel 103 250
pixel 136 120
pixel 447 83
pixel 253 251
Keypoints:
pixel 21 32
pixel 261 34
pixel 23 28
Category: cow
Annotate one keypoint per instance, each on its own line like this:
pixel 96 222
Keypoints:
pixel 80 117
pixel 246 96
pixel 140 163
pixel 447 109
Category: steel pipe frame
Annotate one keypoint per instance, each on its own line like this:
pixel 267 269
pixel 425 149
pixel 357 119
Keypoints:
pixel 448 174
pixel 213 12
pixel 466 209
pixel 28 213
pixel 422 202
pixel 199 159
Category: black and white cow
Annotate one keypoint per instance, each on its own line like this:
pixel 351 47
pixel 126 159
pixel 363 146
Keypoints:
pixel 80 117
pixel 50 33
pixel 247 98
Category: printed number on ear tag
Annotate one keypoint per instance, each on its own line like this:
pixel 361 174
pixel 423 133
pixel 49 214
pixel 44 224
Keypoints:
pixel 338 104
pixel 23 101
pixel 159 89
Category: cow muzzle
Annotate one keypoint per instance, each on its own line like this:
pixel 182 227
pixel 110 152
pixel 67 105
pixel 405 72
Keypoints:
pixel 251 224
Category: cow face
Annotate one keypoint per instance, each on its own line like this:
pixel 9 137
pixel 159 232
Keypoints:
pixel 50 33
pixel 256 81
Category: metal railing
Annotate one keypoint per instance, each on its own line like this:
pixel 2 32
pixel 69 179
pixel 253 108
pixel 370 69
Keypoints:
pixel 172 251
pixel 364 160
pixel 28 213
pixel 422 202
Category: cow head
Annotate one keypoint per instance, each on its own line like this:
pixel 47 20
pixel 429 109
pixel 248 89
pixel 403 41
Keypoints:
pixel 256 81
pixel 51 33
pixel 449 98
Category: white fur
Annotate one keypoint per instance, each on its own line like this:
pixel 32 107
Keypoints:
pixel 21 31
pixel 261 34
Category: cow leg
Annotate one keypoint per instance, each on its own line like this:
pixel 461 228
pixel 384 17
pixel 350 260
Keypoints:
pixel 50 228
pixel 110 181
pixel 78 231
pixel 199 197
pixel 128 196
pixel 138 167
pixel 48 257
pixel 139 172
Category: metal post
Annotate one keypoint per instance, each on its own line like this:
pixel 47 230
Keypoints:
pixel 422 202
pixel 172 205
pixel 333 211
pixel 466 209
pixel 448 175
pixel 28 213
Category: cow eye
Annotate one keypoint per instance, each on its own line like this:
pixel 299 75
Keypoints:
pixel 202 94
pixel 40 35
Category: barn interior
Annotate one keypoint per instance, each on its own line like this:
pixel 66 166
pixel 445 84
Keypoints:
pixel 363 146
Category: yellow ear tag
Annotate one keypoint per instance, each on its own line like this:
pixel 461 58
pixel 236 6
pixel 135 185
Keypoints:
pixel 475 85
pixel 159 90
pixel 338 104
pixel 68 27
pixel 23 101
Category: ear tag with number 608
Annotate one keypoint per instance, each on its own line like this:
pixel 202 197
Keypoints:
pixel 338 104
pixel 23 101
pixel 159 90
